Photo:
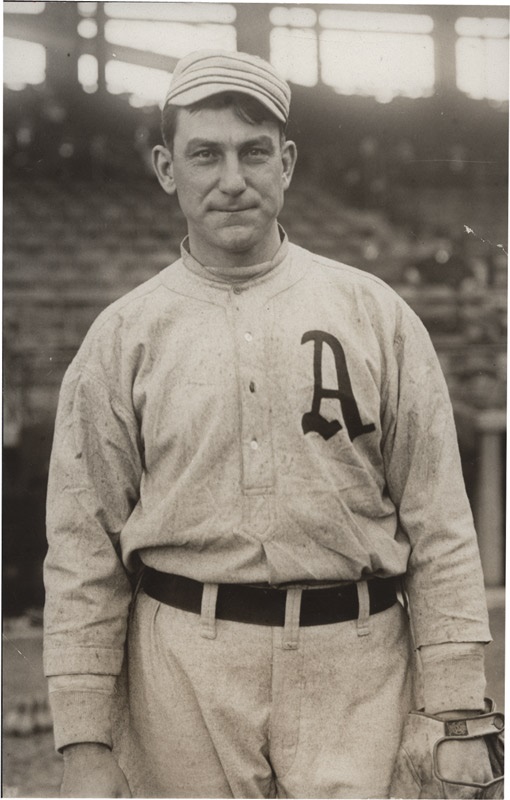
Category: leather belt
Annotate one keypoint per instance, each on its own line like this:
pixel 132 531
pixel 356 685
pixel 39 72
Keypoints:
pixel 240 602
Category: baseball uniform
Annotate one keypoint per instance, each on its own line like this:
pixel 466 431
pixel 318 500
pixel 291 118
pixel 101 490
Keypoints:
pixel 284 423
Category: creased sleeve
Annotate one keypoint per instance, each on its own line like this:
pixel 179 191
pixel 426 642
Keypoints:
pixel 81 706
pixel 93 487
pixel 424 477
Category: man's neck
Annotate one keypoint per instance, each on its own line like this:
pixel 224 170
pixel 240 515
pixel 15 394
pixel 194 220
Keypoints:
pixel 238 273
pixel 220 259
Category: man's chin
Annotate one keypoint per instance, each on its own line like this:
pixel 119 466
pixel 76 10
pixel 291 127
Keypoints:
pixel 236 239
pixel 240 244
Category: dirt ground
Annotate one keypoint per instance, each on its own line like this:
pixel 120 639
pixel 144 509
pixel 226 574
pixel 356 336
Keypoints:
pixel 30 766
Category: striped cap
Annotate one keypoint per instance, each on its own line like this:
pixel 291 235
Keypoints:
pixel 209 72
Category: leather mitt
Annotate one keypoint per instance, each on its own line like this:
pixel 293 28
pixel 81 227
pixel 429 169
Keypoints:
pixel 438 758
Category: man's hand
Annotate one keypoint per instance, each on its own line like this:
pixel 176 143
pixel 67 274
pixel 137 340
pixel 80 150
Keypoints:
pixel 464 761
pixel 428 761
pixel 91 770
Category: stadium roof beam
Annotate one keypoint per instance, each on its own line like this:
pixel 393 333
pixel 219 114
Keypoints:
pixel 439 12
pixel 18 26
pixel 142 58
pixel 56 29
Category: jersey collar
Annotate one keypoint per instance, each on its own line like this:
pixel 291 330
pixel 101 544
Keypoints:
pixel 234 275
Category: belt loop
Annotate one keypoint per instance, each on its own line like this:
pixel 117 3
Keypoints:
pixel 292 612
pixel 402 594
pixel 363 623
pixel 138 586
pixel 208 611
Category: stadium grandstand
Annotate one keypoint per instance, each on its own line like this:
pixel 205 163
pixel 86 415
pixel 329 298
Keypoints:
pixel 400 115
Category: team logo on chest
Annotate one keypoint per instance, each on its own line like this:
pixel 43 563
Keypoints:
pixel 313 420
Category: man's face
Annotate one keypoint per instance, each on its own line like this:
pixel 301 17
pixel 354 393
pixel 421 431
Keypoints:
pixel 230 177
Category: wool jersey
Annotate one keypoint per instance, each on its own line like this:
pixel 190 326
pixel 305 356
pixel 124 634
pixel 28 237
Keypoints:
pixel 285 424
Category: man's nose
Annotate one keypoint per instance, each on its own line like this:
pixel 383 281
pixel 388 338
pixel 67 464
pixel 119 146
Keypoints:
pixel 232 180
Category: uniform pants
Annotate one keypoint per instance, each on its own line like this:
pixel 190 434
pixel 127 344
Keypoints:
pixel 213 708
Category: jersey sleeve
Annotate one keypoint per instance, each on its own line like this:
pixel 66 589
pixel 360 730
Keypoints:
pixel 93 486
pixel 81 707
pixel 453 676
pixel 444 579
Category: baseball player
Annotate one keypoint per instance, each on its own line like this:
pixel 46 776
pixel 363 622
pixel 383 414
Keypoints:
pixel 261 439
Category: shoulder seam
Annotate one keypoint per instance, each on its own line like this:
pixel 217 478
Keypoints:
pixel 123 302
pixel 331 264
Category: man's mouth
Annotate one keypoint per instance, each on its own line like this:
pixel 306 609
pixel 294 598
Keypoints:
pixel 235 210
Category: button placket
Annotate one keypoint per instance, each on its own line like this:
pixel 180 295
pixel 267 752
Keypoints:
pixel 256 446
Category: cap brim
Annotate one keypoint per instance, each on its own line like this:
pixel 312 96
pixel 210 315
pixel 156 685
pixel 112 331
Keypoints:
pixel 193 95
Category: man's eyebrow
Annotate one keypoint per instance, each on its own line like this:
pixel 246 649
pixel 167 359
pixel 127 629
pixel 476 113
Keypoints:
pixel 257 141
pixel 193 144
pixel 265 141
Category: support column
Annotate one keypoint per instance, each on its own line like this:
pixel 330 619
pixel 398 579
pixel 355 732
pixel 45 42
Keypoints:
pixel 253 28
pixel 444 43
pixel 62 54
pixel 101 50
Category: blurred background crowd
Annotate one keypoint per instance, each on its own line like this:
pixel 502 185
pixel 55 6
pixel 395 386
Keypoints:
pixel 400 115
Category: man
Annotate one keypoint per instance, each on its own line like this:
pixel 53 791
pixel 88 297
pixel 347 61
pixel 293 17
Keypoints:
pixel 268 435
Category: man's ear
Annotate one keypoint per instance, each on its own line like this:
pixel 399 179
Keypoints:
pixel 163 164
pixel 289 157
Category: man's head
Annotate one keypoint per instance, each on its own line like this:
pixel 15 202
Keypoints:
pixel 207 73
pixel 244 106
pixel 225 154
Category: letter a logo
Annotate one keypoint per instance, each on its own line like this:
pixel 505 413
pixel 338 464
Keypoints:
pixel 313 420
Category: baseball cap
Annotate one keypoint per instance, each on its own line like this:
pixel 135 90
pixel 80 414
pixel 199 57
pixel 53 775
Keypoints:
pixel 208 72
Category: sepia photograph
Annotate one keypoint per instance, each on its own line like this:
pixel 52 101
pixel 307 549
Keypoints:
pixel 254 399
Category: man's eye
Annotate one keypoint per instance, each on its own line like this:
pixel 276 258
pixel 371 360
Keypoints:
pixel 257 153
pixel 203 155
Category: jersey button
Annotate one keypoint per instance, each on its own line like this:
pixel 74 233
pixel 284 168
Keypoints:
pixel 254 444
pixel 237 290
pixel 248 336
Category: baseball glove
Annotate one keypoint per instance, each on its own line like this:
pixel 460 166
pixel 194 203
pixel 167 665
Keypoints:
pixel 438 758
